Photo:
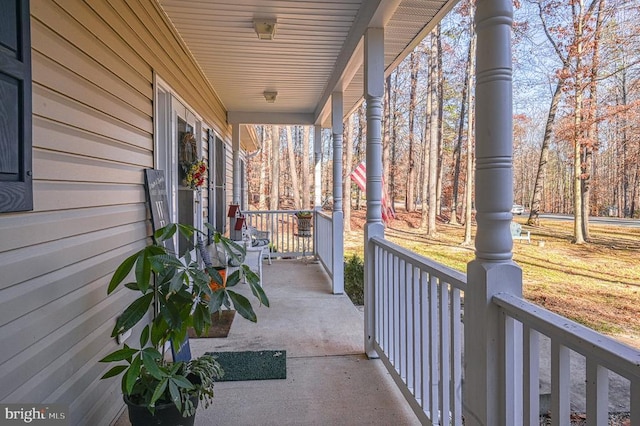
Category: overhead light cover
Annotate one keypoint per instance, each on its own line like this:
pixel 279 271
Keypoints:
pixel 270 97
pixel 265 28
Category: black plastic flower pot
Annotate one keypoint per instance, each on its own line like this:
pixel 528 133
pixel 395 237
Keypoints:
pixel 164 415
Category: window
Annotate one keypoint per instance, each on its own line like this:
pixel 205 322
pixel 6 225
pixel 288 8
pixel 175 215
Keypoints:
pixel 217 187
pixel 16 193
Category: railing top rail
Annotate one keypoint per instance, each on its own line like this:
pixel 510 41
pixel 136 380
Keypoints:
pixel 324 214
pixel 450 275
pixel 269 211
pixel 609 353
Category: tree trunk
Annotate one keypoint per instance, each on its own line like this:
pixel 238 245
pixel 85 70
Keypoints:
pixel 392 135
pixel 262 187
pixel 292 169
pixel 468 189
pixel 592 131
pixel 274 197
pixel 348 167
pixel 433 137
pixel 306 185
pixel 457 150
pixel 440 123
pixel 410 200
pixel 386 145
pixel 544 152
pixel 359 151
pixel 577 124
pixel 426 152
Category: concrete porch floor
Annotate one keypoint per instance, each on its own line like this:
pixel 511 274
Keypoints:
pixel 329 380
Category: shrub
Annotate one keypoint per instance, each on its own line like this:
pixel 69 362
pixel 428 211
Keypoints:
pixel 354 279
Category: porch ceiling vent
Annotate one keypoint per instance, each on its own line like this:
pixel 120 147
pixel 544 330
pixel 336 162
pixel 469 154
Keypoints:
pixel 270 97
pixel 265 28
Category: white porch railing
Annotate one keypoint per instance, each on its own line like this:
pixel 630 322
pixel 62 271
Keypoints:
pixel 524 323
pixel 283 227
pixel 324 241
pixel 418 335
pixel 418 329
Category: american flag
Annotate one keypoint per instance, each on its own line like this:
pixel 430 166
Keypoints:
pixel 359 176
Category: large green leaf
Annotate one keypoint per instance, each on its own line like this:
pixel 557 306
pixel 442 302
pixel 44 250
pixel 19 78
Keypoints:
pixel 158 330
pixel 233 278
pixel 199 319
pixel 242 305
pixel 175 394
pixel 259 293
pixel 114 371
pixel 216 300
pixel 121 272
pixel 144 336
pixel 143 271
pixel 149 360
pixel 133 373
pixel 159 390
pixel 177 282
pixel 120 354
pixel 182 382
pixel 132 314
pixel 166 232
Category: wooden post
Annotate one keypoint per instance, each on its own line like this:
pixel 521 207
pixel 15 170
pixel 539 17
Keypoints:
pixel 374 91
pixel 338 214
pixel 237 179
pixel 493 270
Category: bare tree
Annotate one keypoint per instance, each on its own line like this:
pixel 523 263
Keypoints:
pixel 292 169
pixel 306 186
pixel 410 200
pixel 347 166
pixel 274 197
pixel 468 189
pixel 262 185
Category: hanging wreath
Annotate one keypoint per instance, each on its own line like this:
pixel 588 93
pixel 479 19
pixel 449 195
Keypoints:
pixel 194 168
pixel 196 174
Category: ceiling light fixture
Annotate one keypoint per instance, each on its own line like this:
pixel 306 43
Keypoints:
pixel 270 97
pixel 265 28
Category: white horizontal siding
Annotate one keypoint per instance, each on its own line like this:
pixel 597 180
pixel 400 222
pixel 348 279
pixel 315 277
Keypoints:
pixel 93 65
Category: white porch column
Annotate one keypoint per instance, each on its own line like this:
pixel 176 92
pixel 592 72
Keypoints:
pixel 373 91
pixel 237 179
pixel 317 176
pixel 317 162
pixel 493 270
pixel 338 215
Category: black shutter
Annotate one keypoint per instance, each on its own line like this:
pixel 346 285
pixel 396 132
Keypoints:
pixel 221 185
pixel 211 213
pixel 16 192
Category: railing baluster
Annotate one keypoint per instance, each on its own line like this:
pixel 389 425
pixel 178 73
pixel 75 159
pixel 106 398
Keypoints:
pixel 559 383
pixel 597 394
pixel 511 339
pixel 433 344
pixel 456 357
pixel 424 339
pixel 417 364
pixel 444 354
pixel 531 376
pixel 395 319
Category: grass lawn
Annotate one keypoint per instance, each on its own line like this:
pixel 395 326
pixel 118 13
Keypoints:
pixel 596 284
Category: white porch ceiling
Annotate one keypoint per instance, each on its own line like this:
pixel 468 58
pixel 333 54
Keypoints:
pixel 317 50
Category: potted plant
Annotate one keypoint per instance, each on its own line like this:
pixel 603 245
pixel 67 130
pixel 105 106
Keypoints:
pixel 304 222
pixel 180 294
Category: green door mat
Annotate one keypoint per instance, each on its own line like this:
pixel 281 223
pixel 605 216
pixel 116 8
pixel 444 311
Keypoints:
pixel 250 365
